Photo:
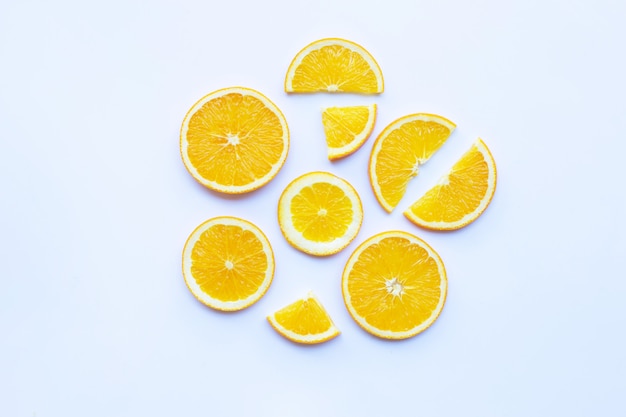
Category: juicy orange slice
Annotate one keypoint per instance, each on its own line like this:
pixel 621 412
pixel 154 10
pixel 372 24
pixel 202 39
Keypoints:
pixel 228 263
pixel 400 149
pixel 234 140
pixel 394 285
pixel 320 213
pixel 304 321
pixel 461 195
pixel 334 65
pixel 347 128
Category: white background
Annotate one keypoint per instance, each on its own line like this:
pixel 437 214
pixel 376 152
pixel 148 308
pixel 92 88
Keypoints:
pixel 95 205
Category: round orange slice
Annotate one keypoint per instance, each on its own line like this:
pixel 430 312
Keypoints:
pixel 400 149
pixel 304 321
pixel 394 285
pixel 461 195
pixel 347 128
pixel 234 140
pixel 320 213
pixel 334 65
pixel 228 263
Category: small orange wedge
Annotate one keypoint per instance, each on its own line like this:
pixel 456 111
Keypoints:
pixel 304 321
pixel 347 128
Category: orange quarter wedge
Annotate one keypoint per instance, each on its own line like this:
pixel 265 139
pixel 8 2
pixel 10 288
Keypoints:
pixel 347 128
pixel 304 321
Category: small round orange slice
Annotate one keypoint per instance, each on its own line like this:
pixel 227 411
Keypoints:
pixel 228 263
pixel 320 213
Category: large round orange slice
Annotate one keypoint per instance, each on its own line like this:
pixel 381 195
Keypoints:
pixel 394 285
pixel 234 140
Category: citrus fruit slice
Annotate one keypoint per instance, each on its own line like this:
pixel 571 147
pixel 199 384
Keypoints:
pixel 394 285
pixel 400 149
pixel 319 213
pixel 228 263
pixel 334 65
pixel 304 321
pixel 347 128
pixel 461 195
pixel 234 140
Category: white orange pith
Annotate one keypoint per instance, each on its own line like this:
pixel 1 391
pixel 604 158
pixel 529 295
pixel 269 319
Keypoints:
pixel 400 149
pixel 304 321
pixel 234 140
pixel 320 213
pixel 228 263
pixel 394 285
pixel 334 65
pixel 461 195
pixel 347 128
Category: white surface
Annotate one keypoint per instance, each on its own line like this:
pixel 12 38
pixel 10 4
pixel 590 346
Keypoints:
pixel 96 205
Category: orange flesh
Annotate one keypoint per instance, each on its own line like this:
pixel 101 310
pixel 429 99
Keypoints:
pixel 322 212
pixel 334 68
pixel 404 149
pixel 395 285
pixel 341 130
pixel 466 186
pixel 228 263
pixel 234 140
pixel 304 317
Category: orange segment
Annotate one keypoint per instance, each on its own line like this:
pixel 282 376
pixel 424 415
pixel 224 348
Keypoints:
pixel 394 285
pixel 304 321
pixel 334 65
pixel 234 140
pixel 460 196
pixel 228 263
pixel 319 213
pixel 347 128
pixel 400 149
